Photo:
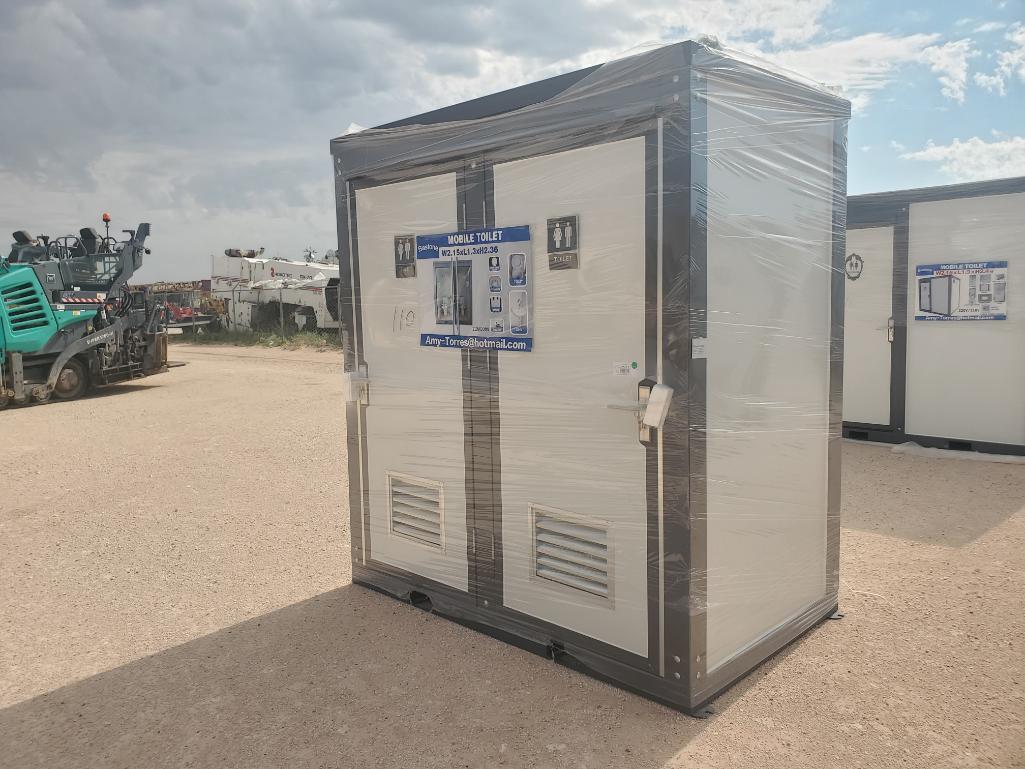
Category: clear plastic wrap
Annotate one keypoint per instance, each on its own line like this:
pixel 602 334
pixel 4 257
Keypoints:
pixel 593 351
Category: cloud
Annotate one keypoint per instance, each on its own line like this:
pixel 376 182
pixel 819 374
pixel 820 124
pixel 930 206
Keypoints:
pixel 989 26
pixel 1010 63
pixel 950 62
pixel 785 21
pixel 896 145
pixel 994 83
pixel 975 159
pixel 867 63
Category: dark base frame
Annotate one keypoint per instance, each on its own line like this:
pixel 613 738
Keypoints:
pixel 532 635
pixel 882 434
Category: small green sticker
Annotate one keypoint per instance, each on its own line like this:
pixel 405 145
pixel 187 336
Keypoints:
pixel 633 365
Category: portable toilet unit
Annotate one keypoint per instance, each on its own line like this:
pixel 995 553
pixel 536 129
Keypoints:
pixel 593 349
pixel 935 317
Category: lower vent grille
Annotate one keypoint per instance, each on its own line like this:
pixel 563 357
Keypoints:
pixel 571 553
pixel 415 509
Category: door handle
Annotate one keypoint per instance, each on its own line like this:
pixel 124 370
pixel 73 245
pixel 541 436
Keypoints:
pixel 889 330
pixel 636 408
pixel 651 408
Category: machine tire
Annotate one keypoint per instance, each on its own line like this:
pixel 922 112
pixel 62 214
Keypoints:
pixel 72 382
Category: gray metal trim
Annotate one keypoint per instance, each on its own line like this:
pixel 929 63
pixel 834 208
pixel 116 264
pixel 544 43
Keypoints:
pixel 480 436
pixel 836 363
pixel 652 222
pixel 899 348
pixel 352 345
pixel 684 303
pixel 864 210
pixel 497 587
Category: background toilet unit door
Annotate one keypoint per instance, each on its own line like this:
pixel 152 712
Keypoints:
pixel 520 492
pixel 869 326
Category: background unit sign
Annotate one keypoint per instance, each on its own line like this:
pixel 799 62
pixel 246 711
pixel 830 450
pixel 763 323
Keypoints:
pixel 961 291
pixel 476 289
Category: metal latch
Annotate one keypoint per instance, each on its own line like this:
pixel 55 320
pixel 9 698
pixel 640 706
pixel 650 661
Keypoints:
pixel 889 330
pixel 656 408
pixel 651 409
pixel 357 386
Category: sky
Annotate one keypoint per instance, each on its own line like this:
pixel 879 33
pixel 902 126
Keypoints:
pixel 211 119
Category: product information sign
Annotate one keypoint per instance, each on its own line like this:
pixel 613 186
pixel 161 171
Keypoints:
pixel 961 291
pixel 476 289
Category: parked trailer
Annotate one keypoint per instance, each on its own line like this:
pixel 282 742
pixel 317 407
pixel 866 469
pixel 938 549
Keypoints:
pixel 262 293
pixel 935 317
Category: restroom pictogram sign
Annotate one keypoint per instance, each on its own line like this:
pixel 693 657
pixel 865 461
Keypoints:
pixel 563 234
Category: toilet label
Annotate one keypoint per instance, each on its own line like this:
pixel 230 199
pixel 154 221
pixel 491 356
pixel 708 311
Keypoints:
pixel 961 291
pixel 476 289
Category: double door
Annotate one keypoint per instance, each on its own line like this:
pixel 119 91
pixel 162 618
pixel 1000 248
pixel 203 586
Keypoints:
pixel 520 477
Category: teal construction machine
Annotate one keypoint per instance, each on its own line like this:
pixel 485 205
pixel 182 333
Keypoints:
pixel 68 319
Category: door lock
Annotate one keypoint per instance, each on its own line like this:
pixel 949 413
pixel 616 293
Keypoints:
pixel 651 408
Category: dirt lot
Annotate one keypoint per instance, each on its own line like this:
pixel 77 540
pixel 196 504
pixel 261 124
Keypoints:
pixel 174 591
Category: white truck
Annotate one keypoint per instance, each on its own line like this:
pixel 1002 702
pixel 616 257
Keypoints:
pixel 269 294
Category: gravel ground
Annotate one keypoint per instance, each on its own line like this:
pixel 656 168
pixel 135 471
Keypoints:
pixel 175 591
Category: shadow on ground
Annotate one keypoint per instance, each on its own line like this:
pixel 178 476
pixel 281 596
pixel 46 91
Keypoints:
pixel 347 678
pixel 931 500
pixel 99 392
pixel 119 389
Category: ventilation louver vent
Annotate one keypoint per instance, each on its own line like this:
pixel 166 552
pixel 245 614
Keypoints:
pixel 24 307
pixel 571 553
pixel 416 509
